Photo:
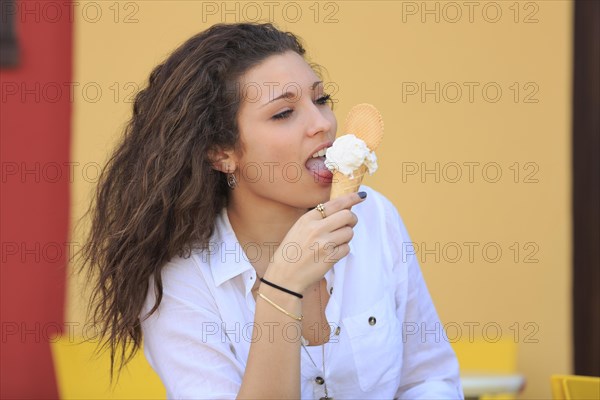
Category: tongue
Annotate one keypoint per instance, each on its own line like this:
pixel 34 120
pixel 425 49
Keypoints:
pixel 317 165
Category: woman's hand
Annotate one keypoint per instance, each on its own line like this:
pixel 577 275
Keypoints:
pixel 314 244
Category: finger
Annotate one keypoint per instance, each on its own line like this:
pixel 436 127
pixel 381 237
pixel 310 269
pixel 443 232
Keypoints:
pixel 341 236
pixel 334 240
pixel 338 252
pixel 346 201
pixel 340 219
pixel 343 202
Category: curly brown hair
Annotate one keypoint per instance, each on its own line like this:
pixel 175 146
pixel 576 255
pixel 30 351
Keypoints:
pixel 158 195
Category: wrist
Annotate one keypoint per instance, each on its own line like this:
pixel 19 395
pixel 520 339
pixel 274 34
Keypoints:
pixel 279 287
pixel 279 280
pixel 285 300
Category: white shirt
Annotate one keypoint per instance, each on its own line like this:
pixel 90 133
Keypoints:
pixel 387 346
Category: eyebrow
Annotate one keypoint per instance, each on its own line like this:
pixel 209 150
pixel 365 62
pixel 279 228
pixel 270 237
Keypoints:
pixel 287 95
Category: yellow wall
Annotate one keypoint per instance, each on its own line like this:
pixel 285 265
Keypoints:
pixel 378 52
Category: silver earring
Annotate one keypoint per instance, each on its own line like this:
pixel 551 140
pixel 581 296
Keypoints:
pixel 231 181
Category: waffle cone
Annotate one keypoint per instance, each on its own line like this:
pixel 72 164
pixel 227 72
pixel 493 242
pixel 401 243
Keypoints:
pixel 366 123
pixel 343 184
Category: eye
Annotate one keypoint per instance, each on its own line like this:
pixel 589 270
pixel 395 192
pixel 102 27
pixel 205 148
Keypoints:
pixel 286 114
pixel 323 99
pixel 282 115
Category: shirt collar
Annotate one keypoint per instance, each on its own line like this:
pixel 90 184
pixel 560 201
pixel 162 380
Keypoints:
pixel 228 259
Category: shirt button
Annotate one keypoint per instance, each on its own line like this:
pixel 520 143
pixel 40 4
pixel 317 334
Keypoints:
pixel 372 321
pixel 337 330
pixel 319 380
pixel 331 290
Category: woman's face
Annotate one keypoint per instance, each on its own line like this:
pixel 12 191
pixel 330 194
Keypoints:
pixel 284 119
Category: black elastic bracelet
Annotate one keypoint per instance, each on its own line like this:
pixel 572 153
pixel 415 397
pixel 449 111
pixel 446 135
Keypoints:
pixel 281 288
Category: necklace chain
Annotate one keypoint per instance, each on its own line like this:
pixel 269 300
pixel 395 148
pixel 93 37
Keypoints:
pixel 322 348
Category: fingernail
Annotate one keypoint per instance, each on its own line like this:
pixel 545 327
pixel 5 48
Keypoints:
pixel 362 195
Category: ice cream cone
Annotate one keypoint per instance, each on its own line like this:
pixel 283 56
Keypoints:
pixel 366 123
pixel 342 184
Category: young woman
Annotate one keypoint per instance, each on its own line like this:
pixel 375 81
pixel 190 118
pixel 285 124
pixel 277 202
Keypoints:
pixel 214 240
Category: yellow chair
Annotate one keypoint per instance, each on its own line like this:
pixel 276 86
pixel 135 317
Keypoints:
pixel 480 359
pixel 575 387
pixel 81 374
pixel 484 356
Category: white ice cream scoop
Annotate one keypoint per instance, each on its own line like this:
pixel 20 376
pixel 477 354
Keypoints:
pixel 353 153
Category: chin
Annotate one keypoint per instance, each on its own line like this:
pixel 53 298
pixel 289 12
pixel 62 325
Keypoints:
pixel 323 196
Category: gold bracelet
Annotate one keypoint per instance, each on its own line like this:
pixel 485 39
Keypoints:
pixel 298 318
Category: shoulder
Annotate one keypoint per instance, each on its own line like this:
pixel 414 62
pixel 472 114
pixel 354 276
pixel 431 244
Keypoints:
pixel 380 226
pixel 377 202
pixel 183 271
pixel 379 213
pixel 183 283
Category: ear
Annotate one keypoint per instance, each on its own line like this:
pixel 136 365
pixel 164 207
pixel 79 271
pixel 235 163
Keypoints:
pixel 223 160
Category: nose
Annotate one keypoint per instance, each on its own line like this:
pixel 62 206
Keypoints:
pixel 318 121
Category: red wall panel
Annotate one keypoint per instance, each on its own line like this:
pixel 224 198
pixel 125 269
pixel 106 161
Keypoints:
pixel 34 200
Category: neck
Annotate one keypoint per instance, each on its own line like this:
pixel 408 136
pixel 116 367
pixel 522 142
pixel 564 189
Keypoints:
pixel 263 223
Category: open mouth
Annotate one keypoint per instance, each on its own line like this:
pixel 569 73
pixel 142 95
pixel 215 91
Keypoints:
pixel 316 165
